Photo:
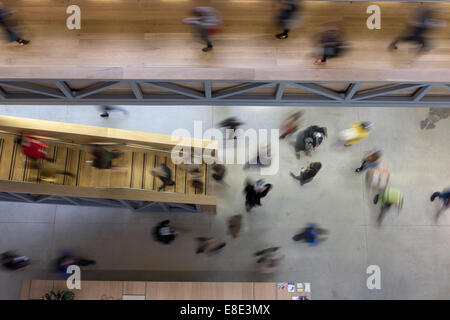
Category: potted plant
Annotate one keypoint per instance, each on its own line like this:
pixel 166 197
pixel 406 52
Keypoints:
pixel 60 295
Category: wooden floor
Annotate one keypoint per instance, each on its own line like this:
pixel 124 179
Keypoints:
pixel 14 166
pixel 115 290
pixel 146 39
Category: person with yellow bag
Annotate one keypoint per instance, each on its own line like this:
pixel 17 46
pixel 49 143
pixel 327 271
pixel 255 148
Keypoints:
pixel 49 171
pixel 358 130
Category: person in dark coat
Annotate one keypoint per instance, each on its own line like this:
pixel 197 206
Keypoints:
pixel 197 183
pixel 103 158
pixel 421 22
pixel 5 23
pixel 331 43
pixel 308 173
pixel 164 174
pixel 105 110
pixel 444 196
pixel 230 124
pixel 12 261
pixel 309 139
pixel 165 233
pixel 255 192
pixel 288 16
pixel 219 171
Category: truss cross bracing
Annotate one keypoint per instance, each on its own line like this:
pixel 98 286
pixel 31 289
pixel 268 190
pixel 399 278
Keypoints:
pixel 81 201
pixel 225 92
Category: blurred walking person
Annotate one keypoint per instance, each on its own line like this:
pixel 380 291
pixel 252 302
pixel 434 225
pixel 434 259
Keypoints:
pixel 235 225
pixel 378 178
pixel 269 260
pixel 378 172
pixel 164 174
pixel 290 125
pixel 67 259
pixel 357 131
pixel 230 124
pixel 209 246
pixel 197 183
pixel 164 233
pixel 444 196
pixel 48 171
pixel 387 198
pixel 254 193
pixel 330 40
pixel 311 234
pixel 288 17
pixel 307 174
pixel 309 140
pixel 218 171
pixel 434 115
pixel 7 23
pixel 13 261
pixel 418 26
pixel 33 148
pixel 371 160
pixel 207 22
pixel 191 168
pixel 105 110
pixel 103 158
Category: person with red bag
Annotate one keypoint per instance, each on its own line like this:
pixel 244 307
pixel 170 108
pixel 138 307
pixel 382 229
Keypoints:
pixel 207 22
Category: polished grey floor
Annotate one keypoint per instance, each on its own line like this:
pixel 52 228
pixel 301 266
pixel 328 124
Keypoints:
pixel 411 249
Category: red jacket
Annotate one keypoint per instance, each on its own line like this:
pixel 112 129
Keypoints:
pixel 33 148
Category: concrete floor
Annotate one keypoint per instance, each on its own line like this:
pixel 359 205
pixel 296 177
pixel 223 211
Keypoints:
pixel 411 250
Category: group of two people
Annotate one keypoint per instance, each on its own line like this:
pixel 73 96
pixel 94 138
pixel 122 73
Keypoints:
pixel 37 152
pixel 269 259
pixel 378 178
pixel 308 141
pixel 13 261
pixel 166 234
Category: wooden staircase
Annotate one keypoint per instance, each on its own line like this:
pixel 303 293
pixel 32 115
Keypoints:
pixel 15 166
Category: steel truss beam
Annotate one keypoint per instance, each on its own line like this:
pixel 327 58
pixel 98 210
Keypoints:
pixel 135 206
pixel 230 92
